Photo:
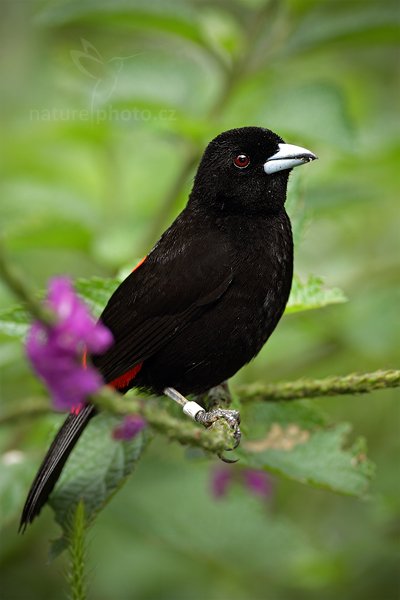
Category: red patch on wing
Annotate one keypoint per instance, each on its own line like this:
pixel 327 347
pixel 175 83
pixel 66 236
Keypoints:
pixel 75 410
pixel 139 263
pixel 123 380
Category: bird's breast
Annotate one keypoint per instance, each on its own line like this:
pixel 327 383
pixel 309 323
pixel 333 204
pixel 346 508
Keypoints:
pixel 263 277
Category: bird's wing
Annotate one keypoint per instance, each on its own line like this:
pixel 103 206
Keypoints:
pixel 176 283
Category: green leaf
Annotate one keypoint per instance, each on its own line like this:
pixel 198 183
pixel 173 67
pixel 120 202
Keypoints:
pixel 175 17
pixel 294 440
pixel 14 321
pixel 312 294
pixel 96 292
pixel 96 469
pixel 355 22
pixel 15 477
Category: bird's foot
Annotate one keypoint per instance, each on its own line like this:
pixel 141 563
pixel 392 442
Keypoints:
pixel 232 417
pixel 208 418
pixel 217 397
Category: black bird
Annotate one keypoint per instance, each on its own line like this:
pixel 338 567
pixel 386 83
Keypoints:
pixel 209 294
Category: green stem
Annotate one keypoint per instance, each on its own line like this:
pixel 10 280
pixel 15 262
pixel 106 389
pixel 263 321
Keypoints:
pixel 17 284
pixel 213 440
pixel 216 439
pixel 77 554
pixel 28 409
pixel 355 383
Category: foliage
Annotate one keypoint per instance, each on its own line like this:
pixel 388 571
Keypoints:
pixel 293 439
pixel 96 470
pixel 312 294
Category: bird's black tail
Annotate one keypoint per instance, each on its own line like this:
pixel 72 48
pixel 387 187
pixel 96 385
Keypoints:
pixel 53 463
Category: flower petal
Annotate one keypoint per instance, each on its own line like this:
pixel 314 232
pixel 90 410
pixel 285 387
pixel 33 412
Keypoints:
pixel 221 480
pixel 55 352
pixel 129 428
pixel 258 482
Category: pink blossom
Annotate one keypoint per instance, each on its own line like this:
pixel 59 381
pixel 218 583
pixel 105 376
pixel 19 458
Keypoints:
pixel 129 428
pixel 56 351
pixel 256 481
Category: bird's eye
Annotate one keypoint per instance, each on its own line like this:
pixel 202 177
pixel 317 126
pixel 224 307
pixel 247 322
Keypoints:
pixel 241 161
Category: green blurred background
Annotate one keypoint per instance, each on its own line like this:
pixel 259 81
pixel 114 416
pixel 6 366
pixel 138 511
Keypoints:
pixel 105 108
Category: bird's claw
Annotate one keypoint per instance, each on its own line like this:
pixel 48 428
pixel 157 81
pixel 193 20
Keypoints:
pixel 228 461
pixel 232 417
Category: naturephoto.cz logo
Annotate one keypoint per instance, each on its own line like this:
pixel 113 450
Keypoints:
pixel 105 75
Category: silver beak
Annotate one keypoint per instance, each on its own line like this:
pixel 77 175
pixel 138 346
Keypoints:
pixel 287 157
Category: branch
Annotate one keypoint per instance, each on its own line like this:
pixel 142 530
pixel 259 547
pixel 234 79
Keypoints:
pixel 218 437
pixel 215 439
pixel 355 383
pixel 30 408
pixel 17 284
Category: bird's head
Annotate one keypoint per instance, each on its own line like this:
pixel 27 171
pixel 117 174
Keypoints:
pixel 246 170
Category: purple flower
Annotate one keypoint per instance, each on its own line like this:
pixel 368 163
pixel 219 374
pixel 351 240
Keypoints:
pixel 255 481
pixel 130 426
pixel 56 352
pixel 220 481
pixel 258 482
